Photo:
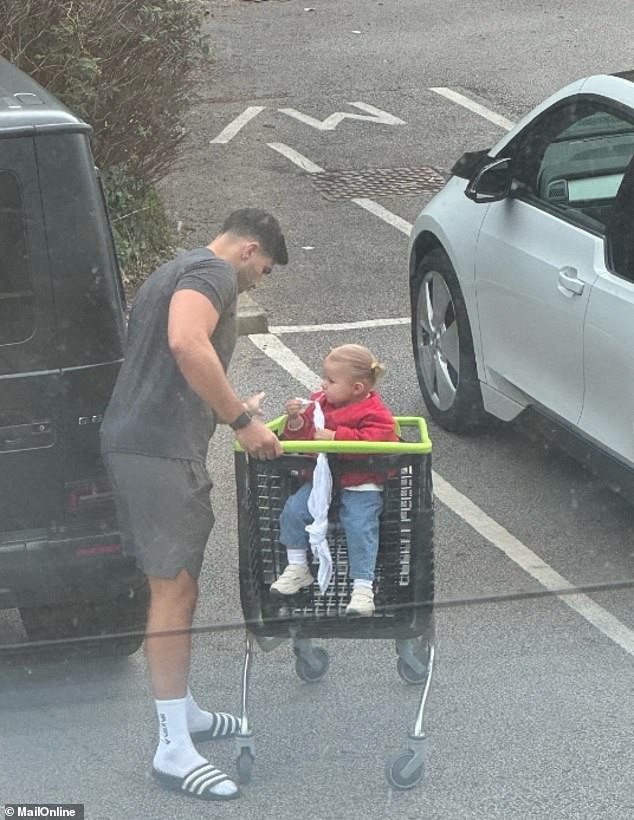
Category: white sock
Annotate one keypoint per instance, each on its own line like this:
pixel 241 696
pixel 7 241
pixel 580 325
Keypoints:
pixel 361 583
pixel 176 754
pixel 297 556
pixel 198 720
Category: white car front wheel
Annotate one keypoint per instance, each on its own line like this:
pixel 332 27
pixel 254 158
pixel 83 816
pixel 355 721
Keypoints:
pixel 443 346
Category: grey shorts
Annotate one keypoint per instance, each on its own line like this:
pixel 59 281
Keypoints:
pixel 164 511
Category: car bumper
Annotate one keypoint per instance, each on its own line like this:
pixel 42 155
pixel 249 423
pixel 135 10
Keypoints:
pixel 37 570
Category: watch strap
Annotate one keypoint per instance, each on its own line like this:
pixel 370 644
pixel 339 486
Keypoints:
pixel 241 421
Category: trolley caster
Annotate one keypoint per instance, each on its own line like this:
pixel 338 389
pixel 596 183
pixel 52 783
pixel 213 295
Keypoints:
pixel 405 771
pixel 408 674
pixel 312 667
pixel 412 664
pixel 244 765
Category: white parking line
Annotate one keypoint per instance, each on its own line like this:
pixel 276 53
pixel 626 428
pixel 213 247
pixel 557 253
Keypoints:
pixel 482 523
pixel 383 213
pixel 472 105
pixel 532 564
pixel 299 159
pixel 228 133
pixel 280 330
pixel 368 204
pixel 282 355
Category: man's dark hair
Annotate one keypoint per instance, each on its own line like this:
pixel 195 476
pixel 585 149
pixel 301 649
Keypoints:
pixel 254 223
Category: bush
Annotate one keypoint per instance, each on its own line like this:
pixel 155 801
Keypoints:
pixel 142 231
pixel 127 67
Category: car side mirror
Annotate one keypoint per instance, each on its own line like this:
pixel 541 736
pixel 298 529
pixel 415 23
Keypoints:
pixel 492 183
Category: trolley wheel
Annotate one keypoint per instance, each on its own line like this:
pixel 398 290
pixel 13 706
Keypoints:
pixel 315 672
pixel 394 771
pixel 244 765
pixel 409 675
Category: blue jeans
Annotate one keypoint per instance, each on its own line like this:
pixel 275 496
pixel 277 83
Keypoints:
pixel 359 515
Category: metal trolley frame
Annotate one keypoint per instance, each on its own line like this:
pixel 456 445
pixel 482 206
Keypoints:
pixel 404 585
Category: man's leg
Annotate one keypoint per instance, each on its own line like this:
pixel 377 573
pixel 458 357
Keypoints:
pixel 176 762
pixel 172 605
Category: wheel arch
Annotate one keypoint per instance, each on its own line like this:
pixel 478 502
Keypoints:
pixel 425 242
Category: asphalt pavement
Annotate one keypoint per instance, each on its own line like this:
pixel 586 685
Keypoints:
pixel 530 712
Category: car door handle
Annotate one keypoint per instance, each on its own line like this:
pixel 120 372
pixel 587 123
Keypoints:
pixel 568 283
pixel 30 436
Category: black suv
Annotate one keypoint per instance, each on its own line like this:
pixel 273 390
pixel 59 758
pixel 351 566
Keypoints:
pixel 62 330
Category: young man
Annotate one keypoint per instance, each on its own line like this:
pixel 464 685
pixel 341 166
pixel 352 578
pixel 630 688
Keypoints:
pixel 171 391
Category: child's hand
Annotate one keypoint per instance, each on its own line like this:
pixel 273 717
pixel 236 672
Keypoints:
pixel 325 435
pixel 294 408
pixel 253 404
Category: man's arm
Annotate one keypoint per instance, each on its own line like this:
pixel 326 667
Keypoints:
pixel 191 321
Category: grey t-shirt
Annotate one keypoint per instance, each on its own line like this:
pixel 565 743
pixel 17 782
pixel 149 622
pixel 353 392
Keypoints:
pixel 153 411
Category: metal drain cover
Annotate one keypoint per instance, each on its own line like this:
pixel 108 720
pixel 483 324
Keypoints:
pixel 335 185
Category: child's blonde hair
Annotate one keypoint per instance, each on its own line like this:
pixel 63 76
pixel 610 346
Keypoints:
pixel 360 360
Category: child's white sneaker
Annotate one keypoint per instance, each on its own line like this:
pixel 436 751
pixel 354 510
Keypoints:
pixel 361 603
pixel 294 578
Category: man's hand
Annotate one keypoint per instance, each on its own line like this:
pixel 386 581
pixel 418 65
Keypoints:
pixel 253 404
pixel 259 441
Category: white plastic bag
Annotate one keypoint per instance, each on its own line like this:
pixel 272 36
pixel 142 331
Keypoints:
pixel 318 506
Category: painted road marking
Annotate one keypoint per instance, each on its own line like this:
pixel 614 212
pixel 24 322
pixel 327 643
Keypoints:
pixel 275 349
pixel 373 114
pixel 532 564
pixel 465 102
pixel 299 159
pixel 228 133
pixel 487 527
pixel 368 204
pixel 280 330
pixel 383 213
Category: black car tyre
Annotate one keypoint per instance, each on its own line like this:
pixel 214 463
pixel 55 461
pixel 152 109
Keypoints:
pixel 443 346
pixel 75 623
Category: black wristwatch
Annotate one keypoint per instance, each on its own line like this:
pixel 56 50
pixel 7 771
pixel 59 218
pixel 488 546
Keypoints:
pixel 242 421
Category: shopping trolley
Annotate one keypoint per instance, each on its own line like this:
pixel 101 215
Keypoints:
pixel 404 574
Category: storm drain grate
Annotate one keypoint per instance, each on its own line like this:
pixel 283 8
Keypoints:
pixel 378 182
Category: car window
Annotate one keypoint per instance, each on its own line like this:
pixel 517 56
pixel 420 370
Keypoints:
pixel 16 291
pixel 573 161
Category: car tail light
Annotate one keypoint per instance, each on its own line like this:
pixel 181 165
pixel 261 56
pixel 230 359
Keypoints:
pixel 90 496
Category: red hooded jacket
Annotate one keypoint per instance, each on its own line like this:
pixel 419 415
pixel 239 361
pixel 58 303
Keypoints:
pixel 367 420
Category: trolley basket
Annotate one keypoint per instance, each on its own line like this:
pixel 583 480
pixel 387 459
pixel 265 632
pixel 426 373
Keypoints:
pixel 404 573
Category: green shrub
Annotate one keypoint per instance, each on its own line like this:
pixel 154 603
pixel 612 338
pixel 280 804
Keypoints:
pixel 142 230
pixel 127 67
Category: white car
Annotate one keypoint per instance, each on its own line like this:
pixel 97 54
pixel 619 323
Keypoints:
pixel 522 276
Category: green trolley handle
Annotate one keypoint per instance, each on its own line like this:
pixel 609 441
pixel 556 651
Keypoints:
pixel 422 446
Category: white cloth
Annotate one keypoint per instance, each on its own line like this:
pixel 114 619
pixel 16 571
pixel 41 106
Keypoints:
pixel 318 506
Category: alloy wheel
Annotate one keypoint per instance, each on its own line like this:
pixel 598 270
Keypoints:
pixel 438 346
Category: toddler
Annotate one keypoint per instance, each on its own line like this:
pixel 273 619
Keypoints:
pixel 353 411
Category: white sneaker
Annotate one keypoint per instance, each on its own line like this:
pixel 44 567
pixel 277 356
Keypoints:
pixel 361 603
pixel 294 578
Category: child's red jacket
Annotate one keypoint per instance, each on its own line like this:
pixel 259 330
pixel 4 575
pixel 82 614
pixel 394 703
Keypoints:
pixel 367 420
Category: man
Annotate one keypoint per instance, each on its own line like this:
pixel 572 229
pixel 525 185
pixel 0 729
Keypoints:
pixel 171 390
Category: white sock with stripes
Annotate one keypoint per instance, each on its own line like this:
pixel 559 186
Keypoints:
pixel 176 754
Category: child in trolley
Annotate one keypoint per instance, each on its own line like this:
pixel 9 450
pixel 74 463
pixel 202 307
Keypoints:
pixel 353 411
